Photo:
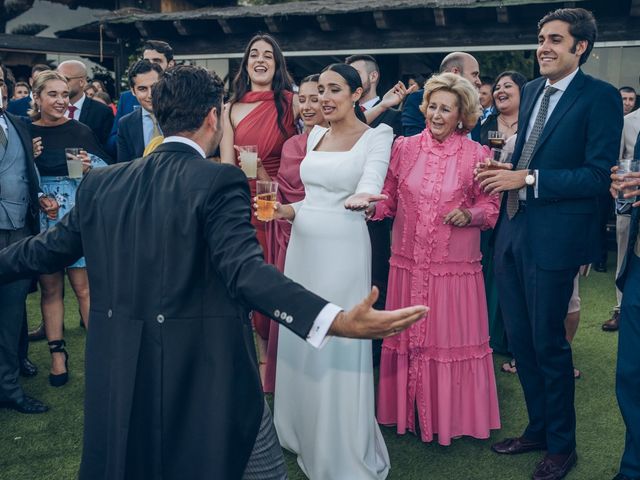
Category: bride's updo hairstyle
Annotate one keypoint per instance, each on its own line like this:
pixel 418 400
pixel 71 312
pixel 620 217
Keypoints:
pixel 352 77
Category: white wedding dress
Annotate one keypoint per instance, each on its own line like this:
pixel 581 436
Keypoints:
pixel 324 398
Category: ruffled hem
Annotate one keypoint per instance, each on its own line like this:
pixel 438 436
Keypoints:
pixel 452 399
pixel 434 353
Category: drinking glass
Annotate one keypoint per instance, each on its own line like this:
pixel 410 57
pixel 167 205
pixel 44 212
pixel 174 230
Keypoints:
pixel 496 138
pixel 266 193
pixel 249 160
pixel 627 165
pixel 74 162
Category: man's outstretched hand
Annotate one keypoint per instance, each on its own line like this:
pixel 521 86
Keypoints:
pixel 363 321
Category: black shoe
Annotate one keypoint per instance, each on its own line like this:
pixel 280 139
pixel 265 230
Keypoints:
pixel 27 368
pixel 515 446
pixel 57 346
pixel 555 469
pixel 37 333
pixel 600 267
pixel 612 324
pixel 27 405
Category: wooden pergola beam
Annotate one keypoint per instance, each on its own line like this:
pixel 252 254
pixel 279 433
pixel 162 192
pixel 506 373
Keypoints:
pixel 440 17
pixel 225 26
pixel 502 14
pixel 382 19
pixel 634 11
pixel 274 25
pixel 31 44
pixel 142 28
pixel 326 23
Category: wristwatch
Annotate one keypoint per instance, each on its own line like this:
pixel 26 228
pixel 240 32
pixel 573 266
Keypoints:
pixel 530 179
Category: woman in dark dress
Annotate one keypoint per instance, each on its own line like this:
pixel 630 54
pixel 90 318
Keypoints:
pixel 53 133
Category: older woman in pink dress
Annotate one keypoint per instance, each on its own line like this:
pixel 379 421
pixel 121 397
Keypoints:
pixel 442 366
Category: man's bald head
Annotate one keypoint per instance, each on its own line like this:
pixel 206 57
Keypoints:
pixel 463 64
pixel 76 73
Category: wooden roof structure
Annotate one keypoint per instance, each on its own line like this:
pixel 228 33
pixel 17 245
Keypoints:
pixel 320 25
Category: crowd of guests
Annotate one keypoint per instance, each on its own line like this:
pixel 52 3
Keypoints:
pixel 409 192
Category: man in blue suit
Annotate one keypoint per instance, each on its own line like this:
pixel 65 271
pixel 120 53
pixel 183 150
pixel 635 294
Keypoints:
pixel 628 369
pixel 138 127
pixel 569 137
pixel 156 51
pixel 21 106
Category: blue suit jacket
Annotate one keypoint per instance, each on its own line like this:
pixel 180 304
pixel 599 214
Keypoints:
pixel 130 137
pixel 574 154
pixel 126 105
pixel 20 107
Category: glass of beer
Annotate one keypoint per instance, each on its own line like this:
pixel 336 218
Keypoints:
pixel 249 160
pixel 74 162
pixel 496 139
pixel 266 193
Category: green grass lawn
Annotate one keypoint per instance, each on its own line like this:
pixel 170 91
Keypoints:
pixel 48 446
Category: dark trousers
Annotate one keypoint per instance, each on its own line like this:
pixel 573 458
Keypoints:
pixel 12 318
pixel 380 236
pixel 534 303
pixel 628 369
pixel 606 208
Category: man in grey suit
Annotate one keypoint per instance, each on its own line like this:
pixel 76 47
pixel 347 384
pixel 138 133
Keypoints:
pixel 172 383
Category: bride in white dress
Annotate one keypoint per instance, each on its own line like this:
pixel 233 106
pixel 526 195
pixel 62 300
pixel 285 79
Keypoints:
pixel 324 402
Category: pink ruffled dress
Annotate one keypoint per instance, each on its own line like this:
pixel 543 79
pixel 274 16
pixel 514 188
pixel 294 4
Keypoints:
pixel 441 366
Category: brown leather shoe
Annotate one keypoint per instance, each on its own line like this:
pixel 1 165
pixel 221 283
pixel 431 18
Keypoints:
pixel 611 325
pixel 549 469
pixel 37 333
pixel 514 446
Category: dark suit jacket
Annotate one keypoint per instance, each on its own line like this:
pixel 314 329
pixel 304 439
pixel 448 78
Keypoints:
pixel 574 154
pixel 174 267
pixel 391 117
pixel 130 136
pixel 19 107
pixel 33 220
pixel 98 117
pixel 413 120
pixel 126 105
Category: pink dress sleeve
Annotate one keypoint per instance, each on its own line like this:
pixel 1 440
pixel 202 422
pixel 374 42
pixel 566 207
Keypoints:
pixel 387 208
pixel 486 207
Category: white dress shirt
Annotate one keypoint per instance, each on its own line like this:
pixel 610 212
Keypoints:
pixel 369 104
pixel 78 105
pixel 322 323
pixel 561 85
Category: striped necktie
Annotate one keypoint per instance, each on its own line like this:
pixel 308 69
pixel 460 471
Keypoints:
pixel 529 146
pixel 156 129
pixel 4 141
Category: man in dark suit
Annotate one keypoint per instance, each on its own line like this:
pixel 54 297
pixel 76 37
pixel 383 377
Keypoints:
pixel 138 127
pixel 95 115
pixel 173 389
pixel 156 51
pixel 460 63
pixel 569 134
pixel 22 106
pixel 628 368
pixel 19 218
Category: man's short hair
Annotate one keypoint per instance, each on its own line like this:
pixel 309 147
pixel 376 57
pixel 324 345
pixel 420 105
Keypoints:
pixel 582 26
pixel 39 67
pixel 627 90
pixel 487 81
pixel 369 61
pixel 140 67
pixel 184 96
pixel 161 47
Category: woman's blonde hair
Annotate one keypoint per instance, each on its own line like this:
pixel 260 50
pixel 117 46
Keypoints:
pixel 38 87
pixel 467 94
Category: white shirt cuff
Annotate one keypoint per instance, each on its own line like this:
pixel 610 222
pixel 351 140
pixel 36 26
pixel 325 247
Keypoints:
pixel 535 185
pixel 318 333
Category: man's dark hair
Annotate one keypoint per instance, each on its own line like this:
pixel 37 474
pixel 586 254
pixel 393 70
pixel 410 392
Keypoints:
pixel 627 90
pixel 161 47
pixel 140 67
pixel 104 96
pixel 487 81
pixel 184 96
pixel 582 26
pixel 39 67
pixel 370 62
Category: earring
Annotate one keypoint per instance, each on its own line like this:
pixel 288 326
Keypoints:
pixel 460 125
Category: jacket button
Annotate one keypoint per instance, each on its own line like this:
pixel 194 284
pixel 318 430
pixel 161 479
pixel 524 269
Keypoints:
pixel 289 319
pixel 276 313
pixel 283 315
pixel 109 313
pixel 160 318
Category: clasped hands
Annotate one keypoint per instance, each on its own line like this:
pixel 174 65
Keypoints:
pixel 363 321
pixel 619 183
pixel 496 177
pixel 49 206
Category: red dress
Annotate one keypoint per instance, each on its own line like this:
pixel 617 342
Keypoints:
pixel 260 127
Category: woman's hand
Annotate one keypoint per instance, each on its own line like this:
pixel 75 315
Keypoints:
pixel 459 217
pixel 86 161
pixel 280 211
pixel 49 206
pixel 396 95
pixel 37 146
pixel 362 201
